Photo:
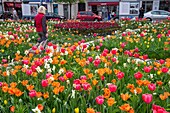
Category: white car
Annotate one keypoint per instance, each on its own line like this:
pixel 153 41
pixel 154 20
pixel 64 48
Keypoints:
pixel 157 15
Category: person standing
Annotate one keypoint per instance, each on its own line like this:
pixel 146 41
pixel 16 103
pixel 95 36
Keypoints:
pixel 14 14
pixel 41 26
pixel 113 14
pixel 141 13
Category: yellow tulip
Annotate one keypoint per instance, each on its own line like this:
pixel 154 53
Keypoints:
pixel 53 110
pixel 5 102
pixel 2 50
pixel 158 72
pixel 76 110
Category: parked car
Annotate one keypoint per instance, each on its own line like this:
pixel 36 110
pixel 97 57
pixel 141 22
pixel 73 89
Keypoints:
pixel 157 15
pixel 6 15
pixel 54 16
pixel 88 16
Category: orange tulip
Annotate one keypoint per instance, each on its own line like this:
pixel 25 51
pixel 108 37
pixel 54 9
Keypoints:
pixel 12 108
pixel 125 107
pixel 40 107
pixel 90 110
pixel 13 84
pixel 111 101
pixel 24 82
pixel 46 95
pixel 125 97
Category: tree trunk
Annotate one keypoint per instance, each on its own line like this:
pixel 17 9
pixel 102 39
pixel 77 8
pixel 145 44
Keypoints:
pixel 70 10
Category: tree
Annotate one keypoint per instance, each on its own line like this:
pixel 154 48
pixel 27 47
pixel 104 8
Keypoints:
pixel 70 2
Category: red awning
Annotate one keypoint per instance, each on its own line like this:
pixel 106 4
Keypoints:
pixel 18 5
pixel 103 3
pixel 9 4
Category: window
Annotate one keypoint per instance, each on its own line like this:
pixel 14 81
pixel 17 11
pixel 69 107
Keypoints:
pixel 82 13
pixel 155 12
pixel 89 13
pixel 164 13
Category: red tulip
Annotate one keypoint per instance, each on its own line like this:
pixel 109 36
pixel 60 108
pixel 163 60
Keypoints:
pixel 34 48
pixel 114 51
pixel 120 75
pixel 76 81
pixel 112 88
pixel 50 44
pixel 164 69
pixel 44 83
pixel 147 69
pixel 32 93
pixel 62 50
pixel 147 98
pixel 54 46
pixel 99 100
pixel 151 87
pixel 69 74
pixel 145 57
pixel 138 75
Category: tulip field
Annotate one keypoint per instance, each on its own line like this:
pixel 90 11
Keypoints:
pixel 106 67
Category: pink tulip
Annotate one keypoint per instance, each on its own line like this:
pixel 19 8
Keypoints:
pixel 164 69
pixel 47 50
pixel 161 61
pixel 1 84
pixel 96 62
pixel 95 34
pixel 99 100
pixel 147 69
pixel 25 62
pixel 86 86
pixel 28 72
pixel 159 35
pixel 4 60
pixel 112 88
pixel 32 93
pixel 152 87
pixel 104 54
pixel 158 109
pixel 76 81
pixel 138 75
pixel 120 75
pixel 83 77
pixel 136 50
pixel 97 47
pixel 83 41
pixel 44 83
pixel 113 59
pixel 61 78
pixel 90 59
pixel 147 98
pixel 48 75
pixel 69 74
pixel 77 86
pixel 123 45
pixel 26 35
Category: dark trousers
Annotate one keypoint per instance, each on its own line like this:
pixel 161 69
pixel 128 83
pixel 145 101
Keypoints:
pixel 42 37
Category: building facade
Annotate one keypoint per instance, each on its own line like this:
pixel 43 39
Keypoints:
pixel 128 8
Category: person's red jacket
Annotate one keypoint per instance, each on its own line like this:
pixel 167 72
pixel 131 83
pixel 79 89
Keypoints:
pixel 40 23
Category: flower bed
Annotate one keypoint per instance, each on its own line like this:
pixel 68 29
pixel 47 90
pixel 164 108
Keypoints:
pixel 77 77
pixel 85 28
